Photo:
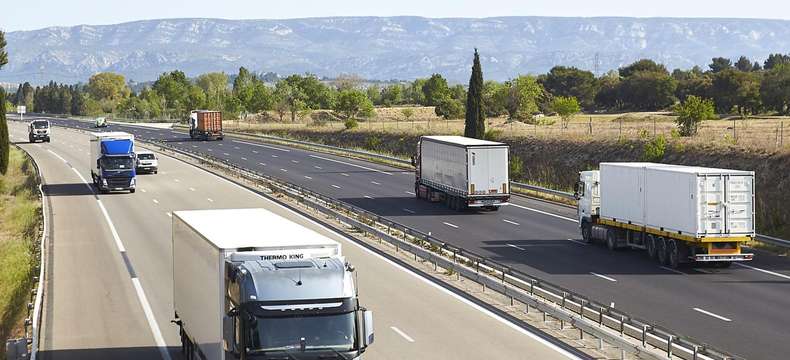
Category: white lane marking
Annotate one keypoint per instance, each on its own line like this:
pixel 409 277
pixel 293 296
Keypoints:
pixel 450 225
pixel 58 156
pixel 295 161
pixel 244 158
pixel 672 270
pixel 783 276
pixel 578 242
pixel 344 174
pixel 308 178
pixel 155 201
pixel 317 167
pixel 210 150
pixel 191 189
pixel 350 164
pixel 169 214
pixel 274 156
pixel 261 145
pixel 402 334
pixel 149 315
pixel 220 144
pixel 143 190
pixel 194 146
pixel 712 314
pixel 368 197
pixel 409 211
pixel 283 170
pixel 335 186
pixel 544 213
pixel 409 192
pixel 255 151
pixel 604 277
pixel 261 164
pixel 511 222
pixel 517 247
pixel 114 232
pixel 236 147
pixel 176 180
pixel 375 183
pixel 210 199
pixel 226 154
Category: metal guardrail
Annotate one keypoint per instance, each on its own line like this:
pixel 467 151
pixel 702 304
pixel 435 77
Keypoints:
pixel 631 334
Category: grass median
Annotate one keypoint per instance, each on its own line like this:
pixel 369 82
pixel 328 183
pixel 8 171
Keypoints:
pixel 20 217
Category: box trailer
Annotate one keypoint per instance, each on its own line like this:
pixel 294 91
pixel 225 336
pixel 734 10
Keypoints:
pixel 205 124
pixel 461 171
pixel 677 213
pixel 249 284
pixel 112 161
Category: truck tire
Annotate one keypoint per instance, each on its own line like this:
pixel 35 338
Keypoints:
pixel 611 240
pixel 663 251
pixel 673 254
pixel 131 191
pixel 650 246
pixel 587 232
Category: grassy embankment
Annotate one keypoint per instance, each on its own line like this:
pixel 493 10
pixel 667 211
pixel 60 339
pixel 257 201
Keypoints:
pixel 19 222
pixel 552 155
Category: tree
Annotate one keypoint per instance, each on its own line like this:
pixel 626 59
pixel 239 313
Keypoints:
pixel 293 97
pixel 640 66
pixel 312 92
pixel 566 108
pixel 648 90
pixel 4 141
pixel 392 95
pixel 108 86
pixel 775 89
pixel 692 83
pixel 692 112
pixel 775 60
pixel 475 125
pixel 720 64
pixel 3 52
pixel 262 98
pixel 374 94
pixel 347 82
pixel 744 64
pixel 435 90
pixel 450 108
pixel 407 113
pixel 215 85
pixel 608 96
pixel 492 106
pixel 733 89
pixel 520 96
pixel 571 82
pixel 174 88
pixel 243 87
pixel 351 102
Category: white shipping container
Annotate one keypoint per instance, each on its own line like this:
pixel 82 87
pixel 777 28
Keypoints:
pixel 693 201
pixel 464 165
pixel 203 239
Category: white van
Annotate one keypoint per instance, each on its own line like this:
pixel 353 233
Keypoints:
pixel 147 162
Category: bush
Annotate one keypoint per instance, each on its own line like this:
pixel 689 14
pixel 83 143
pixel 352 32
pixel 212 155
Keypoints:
pixel 351 124
pixel 492 134
pixel 373 142
pixel 692 112
pixel 654 149
pixel 516 167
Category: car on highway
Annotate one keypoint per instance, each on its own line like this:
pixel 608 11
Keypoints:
pixel 146 162
pixel 100 122
pixel 38 130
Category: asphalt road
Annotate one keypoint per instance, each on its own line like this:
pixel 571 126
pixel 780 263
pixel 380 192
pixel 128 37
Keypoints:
pixel 109 291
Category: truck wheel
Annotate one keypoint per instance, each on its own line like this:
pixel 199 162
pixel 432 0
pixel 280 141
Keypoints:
pixel 673 254
pixel 131 191
pixel 611 240
pixel 663 253
pixel 650 246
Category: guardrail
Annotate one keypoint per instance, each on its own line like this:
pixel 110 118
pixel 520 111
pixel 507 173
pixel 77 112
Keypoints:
pixel 631 334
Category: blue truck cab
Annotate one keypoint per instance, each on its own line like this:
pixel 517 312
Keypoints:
pixel 113 161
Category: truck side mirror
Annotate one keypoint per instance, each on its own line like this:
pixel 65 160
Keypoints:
pixel 97 164
pixel 229 333
pixel 579 190
pixel 413 161
pixel 367 316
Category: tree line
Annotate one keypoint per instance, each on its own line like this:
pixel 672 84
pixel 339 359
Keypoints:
pixel 738 87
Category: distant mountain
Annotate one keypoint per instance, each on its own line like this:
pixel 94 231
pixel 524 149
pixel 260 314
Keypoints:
pixel 382 47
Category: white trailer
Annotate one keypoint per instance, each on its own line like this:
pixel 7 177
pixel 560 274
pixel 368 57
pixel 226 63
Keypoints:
pixel 461 171
pixel 677 213
pixel 247 281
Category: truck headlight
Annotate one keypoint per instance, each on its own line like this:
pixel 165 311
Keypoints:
pixel 104 182
pixel 132 182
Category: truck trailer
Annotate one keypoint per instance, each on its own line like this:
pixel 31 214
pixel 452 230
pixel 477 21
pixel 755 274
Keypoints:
pixel 249 284
pixel 462 172
pixel 676 213
pixel 112 161
pixel 205 125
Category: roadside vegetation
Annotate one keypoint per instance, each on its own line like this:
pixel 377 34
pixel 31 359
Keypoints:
pixel 19 223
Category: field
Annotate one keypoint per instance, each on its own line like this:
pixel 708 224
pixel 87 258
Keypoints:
pixel 19 221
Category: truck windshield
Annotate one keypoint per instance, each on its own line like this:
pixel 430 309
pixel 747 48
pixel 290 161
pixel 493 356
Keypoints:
pixel 336 332
pixel 40 124
pixel 116 163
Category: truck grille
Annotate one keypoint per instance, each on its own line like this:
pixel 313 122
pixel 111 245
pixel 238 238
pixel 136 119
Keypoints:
pixel 118 182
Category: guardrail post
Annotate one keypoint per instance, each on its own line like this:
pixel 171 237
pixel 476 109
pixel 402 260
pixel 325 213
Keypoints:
pixel 622 325
pixel 644 334
pixel 600 317
pixel 694 354
pixel 669 347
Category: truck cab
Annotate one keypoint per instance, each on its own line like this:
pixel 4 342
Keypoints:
pixel 38 130
pixel 113 161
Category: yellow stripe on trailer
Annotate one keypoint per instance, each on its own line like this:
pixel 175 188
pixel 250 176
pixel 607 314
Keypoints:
pixel 672 235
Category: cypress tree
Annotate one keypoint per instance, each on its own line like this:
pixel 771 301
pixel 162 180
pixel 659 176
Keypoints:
pixel 4 146
pixel 475 126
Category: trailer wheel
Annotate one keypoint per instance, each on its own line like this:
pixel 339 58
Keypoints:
pixel 673 254
pixel 611 240
pixel 663 251
pixel 587 232
pixel 650 246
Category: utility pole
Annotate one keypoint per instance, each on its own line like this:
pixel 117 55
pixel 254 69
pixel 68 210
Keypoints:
pixel 596 64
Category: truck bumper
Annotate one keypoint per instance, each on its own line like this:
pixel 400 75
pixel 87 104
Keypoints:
pixel 487 201
pixel 722 257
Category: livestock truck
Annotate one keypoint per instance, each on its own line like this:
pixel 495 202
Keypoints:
pixel 112 161
pixel 249 284
pixel 205 125
pixel 675 213
pixel 462 172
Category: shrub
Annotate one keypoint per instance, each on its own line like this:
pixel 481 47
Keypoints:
pixel 654 149
pixel 373 142
pixel 516 167
pixel 351 124
pixel 692 112
pixel 492 134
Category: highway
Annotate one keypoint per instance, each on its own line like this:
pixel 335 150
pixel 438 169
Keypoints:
pixel 109 288
pixel 742 309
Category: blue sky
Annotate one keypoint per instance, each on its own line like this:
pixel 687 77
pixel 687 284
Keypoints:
pixel 34 14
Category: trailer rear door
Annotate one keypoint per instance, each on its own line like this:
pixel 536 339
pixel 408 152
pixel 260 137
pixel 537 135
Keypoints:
pixel 488 170
pixel 727 204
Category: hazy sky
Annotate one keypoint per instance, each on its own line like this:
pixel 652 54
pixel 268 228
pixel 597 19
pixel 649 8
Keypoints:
pixel 34 14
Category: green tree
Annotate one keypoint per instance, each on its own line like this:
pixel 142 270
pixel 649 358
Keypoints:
pixel 691 113
pixel 312 92
pixel 374 94
pixel 407 113
pixel 775 60
pixel 475 125
pixel 648 90
pixel 566 108
pixel 608 95
pixel 262 98
pixel 744 64
pixel 492 106
pixel 719 64
pixel 3 52
pixel 392 95
pixel 174 88
pixel 449 108
pixel 414 94
pixel 736 90
pixel 641 66
pixel 4 140
pixel 435 90
pixel 243 87
pixel 692 82
pixel 108 86
pixel 520 96
pixel 353 102
pixel 215 85
pixel 571 82
pixel 775 89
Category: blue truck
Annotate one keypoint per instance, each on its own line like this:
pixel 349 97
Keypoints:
pixel 113 161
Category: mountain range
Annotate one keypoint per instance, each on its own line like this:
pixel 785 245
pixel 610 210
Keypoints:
pixel 382 48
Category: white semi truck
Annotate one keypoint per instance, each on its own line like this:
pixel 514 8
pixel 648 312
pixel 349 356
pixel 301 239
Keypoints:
pixel 462 172
pixel 676 213
pixel 249 284
pixel 112 161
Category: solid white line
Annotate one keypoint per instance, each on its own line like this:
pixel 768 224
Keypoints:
pixel 517 247
pixel 308 178
pixel 712 314
pixel 603 277
pixel 114 232
pixel 511 222
pixel 544 213
pixel 236 147
pixel 156 201
pixel 350 164
pixel 58 156
pixel 402 334
pixel 149 315
pixel 450 225
pixel 368 197
pixel 375 183
pixel 335 186
pixel 783 276
pixel 672 270
pixel 578 242
pixel 210 150
pixel 261 145
pixel 409 211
